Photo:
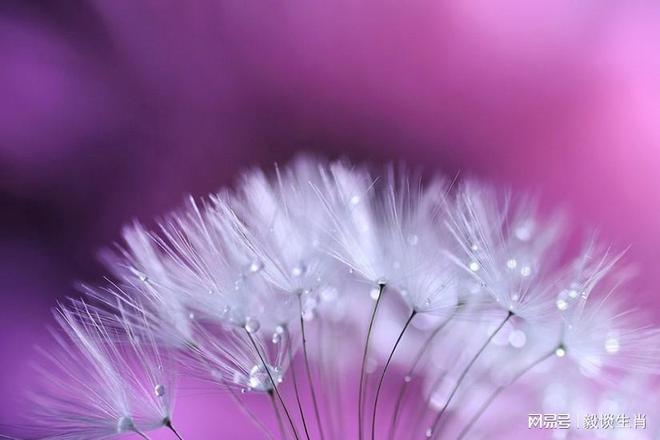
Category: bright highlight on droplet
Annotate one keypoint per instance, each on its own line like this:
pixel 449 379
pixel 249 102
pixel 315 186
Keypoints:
pixel 560 352
pixel 474 266
pixel 612 345
pixel 561 304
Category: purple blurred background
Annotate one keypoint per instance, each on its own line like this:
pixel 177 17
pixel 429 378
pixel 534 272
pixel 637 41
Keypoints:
pixel 114 110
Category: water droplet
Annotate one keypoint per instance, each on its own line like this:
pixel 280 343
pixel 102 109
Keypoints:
pixel 512 263
pixel 355 199
pixel 260 380
pixel 525 271
pixel 191 316
pixel 474 247
pixel 573 293
pixel 276 338
pixel 407 379
pixel 474 266
pixel 413 239
pixel 429 433
pixel 298 270
pixel 256 266
pixel 159 390
pixel 560 352
pixel 561 304
pixel 524 231
pixel 252 325
pixel 612 345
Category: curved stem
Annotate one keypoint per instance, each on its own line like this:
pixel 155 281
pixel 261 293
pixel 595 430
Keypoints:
pixel 499 390
pixel 141 434
pixel 418 357
pixel 278 416
pixel 270 376
pixel 295 382
pixel 438 417
pixel 169 425
pixel 382 376
pixel 308 370
pixel 381 288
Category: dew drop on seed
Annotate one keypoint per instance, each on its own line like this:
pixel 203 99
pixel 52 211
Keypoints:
pixel 511 263
pixel 429 433
pixel 159 390
pixel 276 338
pixel 525 271
pixel 407 379
pixel 474 266
pixel 560 352
pixel 252 325
pixel 355 199
pixel 561 304
pixel 612 345
pixel 256 266
pixel 259 378
pixel 298 270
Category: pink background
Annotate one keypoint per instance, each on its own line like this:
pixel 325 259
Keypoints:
pixel 112 110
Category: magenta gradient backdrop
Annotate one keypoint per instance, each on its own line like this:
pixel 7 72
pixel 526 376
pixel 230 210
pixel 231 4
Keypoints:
pixel 114 110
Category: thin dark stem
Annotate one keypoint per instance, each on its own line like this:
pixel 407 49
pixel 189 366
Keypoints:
pixel 438 417
pixel 278 416
pixel 418 357
pixel 499 390
pixel 141 434
pixel 382 376
pixel 248 412
pixel 381 288
pixel 308 370
pixel 270 376
pixel 295 383
pixel 169 425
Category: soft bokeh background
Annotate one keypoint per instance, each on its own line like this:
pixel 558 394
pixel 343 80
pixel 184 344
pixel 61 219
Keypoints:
pixel 114 110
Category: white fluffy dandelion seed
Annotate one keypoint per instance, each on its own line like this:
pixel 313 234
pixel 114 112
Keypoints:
pixel 506 246
pixel 102 381
pixel 238 285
